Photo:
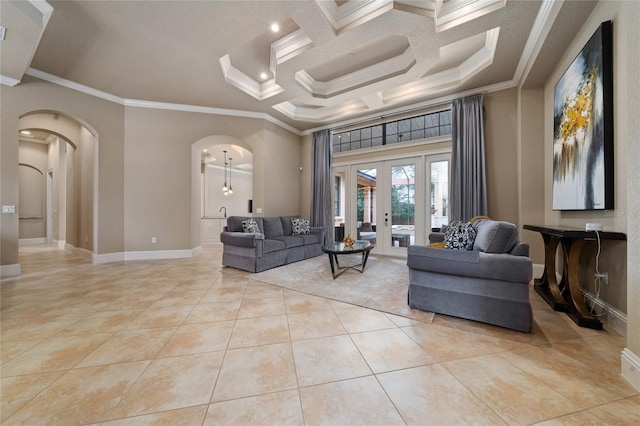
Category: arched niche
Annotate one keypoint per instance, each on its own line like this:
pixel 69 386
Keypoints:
pixel 209 174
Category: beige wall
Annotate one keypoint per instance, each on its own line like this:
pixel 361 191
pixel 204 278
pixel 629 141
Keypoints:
pixel 281 171
pixel 306 161
pixel 33 186
pixel 501 155
pixel 104 118
pixel 531 207
pixel 159 173
pixel 155 161
pixel 614 253
pixel 84 191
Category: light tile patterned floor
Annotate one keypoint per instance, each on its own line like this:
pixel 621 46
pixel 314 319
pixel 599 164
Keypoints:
pixel 181 342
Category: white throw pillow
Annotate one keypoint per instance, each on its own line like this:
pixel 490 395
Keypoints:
pixel 300 226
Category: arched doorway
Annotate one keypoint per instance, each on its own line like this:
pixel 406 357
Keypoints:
pixel 60 200
pixel 220 160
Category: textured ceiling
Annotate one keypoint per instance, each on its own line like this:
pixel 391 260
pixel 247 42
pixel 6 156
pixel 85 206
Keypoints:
pixel 332 61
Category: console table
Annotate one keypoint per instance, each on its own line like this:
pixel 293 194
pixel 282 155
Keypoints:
pixel 565 295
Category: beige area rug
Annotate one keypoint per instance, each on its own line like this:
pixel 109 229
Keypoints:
pixel 382 286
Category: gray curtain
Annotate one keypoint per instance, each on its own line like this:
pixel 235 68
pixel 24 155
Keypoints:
pixel 321 206
pixel 468 196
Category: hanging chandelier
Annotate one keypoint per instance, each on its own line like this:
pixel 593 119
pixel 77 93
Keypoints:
pixel 225 189
pixel 230 188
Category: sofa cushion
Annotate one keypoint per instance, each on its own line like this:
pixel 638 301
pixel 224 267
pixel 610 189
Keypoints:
pixel 299 226
pixel 460 236
pixel 272 227
pixel 272 245
pixel 291 241
pixel 250 226
pixel 286 224
pixel 310 238
pixel 495 236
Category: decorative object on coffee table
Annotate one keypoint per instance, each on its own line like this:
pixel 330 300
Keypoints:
pixel 348 241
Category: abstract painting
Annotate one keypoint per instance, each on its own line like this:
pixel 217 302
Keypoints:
pixel 583 128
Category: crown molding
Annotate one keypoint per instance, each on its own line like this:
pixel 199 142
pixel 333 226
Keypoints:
pixel 408 92
pixel 75 86
pixel 431 103
pixel 542 25
pixel 352 13
pixel 456 12
pixel 384 70
pixel 242 81
pixel 288 48
pixel 157 105
pixel 8 81
pixel 210 110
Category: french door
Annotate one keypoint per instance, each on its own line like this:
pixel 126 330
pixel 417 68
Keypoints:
pixel 386 196
pixel 392 203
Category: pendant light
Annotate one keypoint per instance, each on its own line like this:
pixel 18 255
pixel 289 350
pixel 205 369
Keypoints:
pixel 230 188
pixel 224 187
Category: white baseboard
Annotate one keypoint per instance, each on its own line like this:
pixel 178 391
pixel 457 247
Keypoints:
pixel 158 254
pixel 107 258
pixel 538 270
pixel 631 367
pixel 614 318
pixel 31 241
pixel 7 271
pixel 14 270
pixel 145 255
pixel 82 252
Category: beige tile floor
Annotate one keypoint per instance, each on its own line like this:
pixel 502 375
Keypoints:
pixel 181 342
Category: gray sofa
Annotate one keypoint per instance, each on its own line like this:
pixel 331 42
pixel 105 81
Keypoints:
pixel 274 245
pixel 489 283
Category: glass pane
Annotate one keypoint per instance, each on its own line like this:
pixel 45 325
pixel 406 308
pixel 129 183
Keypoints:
pixel 439 194
pixel 366 204
pixel 403 205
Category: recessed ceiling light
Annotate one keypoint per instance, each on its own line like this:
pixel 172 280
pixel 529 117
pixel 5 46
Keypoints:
pixel 25 132
pixel 263 75
pixel 275 27
pixel 204 150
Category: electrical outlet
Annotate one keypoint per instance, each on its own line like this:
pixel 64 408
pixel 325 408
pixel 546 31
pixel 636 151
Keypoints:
pixel 604 276
pixel 154 240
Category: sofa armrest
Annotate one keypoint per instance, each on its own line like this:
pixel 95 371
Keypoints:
pixel 318 231
pixel 241 239
pixel 503 266
pixel 520 249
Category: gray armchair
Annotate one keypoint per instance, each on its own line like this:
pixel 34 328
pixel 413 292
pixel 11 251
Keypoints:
pixel 489 283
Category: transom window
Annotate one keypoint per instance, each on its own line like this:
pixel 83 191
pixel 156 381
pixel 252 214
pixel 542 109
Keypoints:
pixel 408 129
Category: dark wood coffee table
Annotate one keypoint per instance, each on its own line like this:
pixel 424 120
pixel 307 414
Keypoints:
pixel 335 249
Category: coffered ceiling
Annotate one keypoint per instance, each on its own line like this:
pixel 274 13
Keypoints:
pixel 328 61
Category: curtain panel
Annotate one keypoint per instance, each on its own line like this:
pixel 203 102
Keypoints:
pixel 321 206
pixel 468 170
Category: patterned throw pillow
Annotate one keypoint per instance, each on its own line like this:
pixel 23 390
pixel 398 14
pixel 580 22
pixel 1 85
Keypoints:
pixel 250 226
pixel 299 226
pixel 460 236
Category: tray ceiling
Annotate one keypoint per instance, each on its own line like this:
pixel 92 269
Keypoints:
pixel 329 61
